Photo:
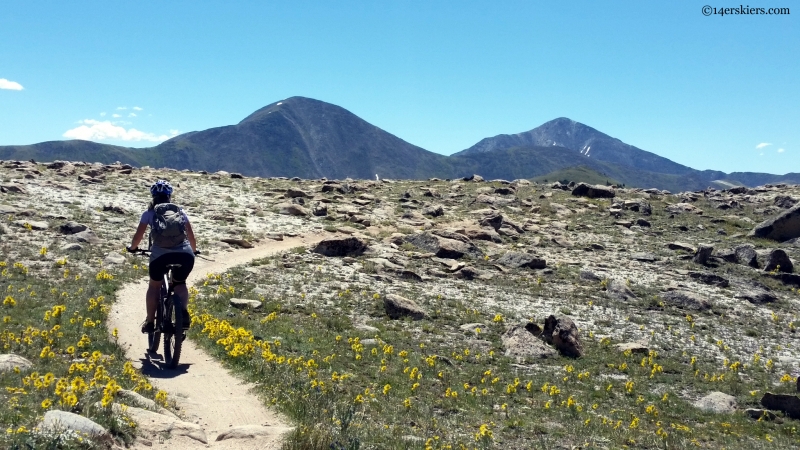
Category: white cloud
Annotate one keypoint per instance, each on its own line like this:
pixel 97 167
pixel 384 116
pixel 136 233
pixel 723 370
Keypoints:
pixel 115 115
pixel 10 85
pixel 95 130
pixel 103 114
pixel 132 115
pixel 136 108
pixel 122 108
pixel 762 145
pixel 174 132
pixel 780 150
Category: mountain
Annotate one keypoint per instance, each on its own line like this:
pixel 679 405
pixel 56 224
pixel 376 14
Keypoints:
pixel 300 137
pixel 589 143
pixel 309 138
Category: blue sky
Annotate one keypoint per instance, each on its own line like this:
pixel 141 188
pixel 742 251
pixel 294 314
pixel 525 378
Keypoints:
pixel 708 92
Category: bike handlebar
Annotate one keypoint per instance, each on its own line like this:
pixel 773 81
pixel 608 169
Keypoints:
pixel 147 252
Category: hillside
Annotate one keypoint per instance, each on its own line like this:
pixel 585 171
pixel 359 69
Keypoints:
pixel 577 174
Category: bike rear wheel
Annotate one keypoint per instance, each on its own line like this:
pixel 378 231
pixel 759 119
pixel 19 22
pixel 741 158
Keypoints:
pixel 173 333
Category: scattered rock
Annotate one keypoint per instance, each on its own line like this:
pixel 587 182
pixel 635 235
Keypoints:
pixel 33 224
pixel 593 191
pixel 619 291
pixel 433 211
pixel 294 193
pixel 238 242
pixel 757 296
pixel 73 247
pixel 252 432
pixel 784 201
pixel 681 246
pixel 589 275
pixel 152 423
pixel 243 303
pixel 644 257
pixel 87 236
pixel 72 227
pixel 14 188
pixel 717 402
pixel 634 347
pixel 779 261
pixel 746 255
pixel 762 414
pixel 291 209
pixel 9 361
pixel 442 247
pixel 113 258
pixel 519 342
pixel 710 278
pixel 563 334
pixel 57 421
pixel 520 260
pixel 685 300
pixel 398 307
pixel 702 254
pixel 341 246
pixel 781 228
pixel 788 404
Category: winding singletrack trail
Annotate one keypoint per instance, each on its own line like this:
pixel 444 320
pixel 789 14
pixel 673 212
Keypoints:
pixel 207 393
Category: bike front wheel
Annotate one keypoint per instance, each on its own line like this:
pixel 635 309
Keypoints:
pixel 173 336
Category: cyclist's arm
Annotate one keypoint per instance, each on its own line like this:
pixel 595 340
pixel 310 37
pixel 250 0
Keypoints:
pixel 190 236
pixel 137 237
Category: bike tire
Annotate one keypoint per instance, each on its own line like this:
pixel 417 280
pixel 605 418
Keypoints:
pixel 173 335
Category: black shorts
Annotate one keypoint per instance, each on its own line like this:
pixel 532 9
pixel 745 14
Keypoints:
pixel 158 267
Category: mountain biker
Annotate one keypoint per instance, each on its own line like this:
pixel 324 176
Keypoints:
pixel 179 247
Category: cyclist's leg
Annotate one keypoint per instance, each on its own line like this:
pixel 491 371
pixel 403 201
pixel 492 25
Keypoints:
pixel 179 275
pixel 156 270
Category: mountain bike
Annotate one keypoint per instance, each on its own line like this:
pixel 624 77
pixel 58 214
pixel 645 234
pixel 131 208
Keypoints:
pixel 169 320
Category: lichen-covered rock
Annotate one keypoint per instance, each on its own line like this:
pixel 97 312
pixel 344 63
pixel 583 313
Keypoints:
pixel 398 307
pixel 781 228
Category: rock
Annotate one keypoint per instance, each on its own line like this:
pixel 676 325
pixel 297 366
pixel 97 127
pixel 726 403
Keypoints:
pixel 710 278
pixel 685 300
pixel 320 209
pixel 115 209
pixel 15 188
pixel 73 247
pixel 788 404
pixel 87 236
pixel 563 334
pixel 398 307
pixel 238 242
pixel 243 303
pixel 72 227
pixel 520 342
pixel 442 247
pixel 619 291
pixel 746 255
pixel 58 421
pixel 482 234
pixel 520 260
pixel 680 208
pixel 433 211
pixel 634 347
pixel 644 257
pixel 341 246
pixel 717 402
pixel 493 220
pixel 589 275
pixel 152 423
pixel 757 296
pixel 252 432
pixel 779 261
pixel 593 191
pixel 9 361
pixel 34 224
pixel 132 398
pixel 702 254
pixel 294 193
pixel 113 258
pixel 681 246
pixel 781 228
pixel 291 209
pixel 643 223
pixel 784 201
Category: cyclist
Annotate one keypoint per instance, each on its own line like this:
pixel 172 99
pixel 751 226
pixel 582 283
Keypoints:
pixel 172 242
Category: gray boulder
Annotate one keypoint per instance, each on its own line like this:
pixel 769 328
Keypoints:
pixel 710 278
pixel 619 291
pixel 341 246
pixel 685 300
pixel 562 333
pixel 433 211
pixel 703 253
pixel 243 303
pixel 253 432
pixel 72 227
pixel 717 402
pixel 9 361
pixel 398 307
pixel 291 209
pixel 520 260
pixel 746 255
pixel 58 421
pixel 779 260
pixel 522 341
pixel 443 247
pixel 757 296
pixel 781 228
pixel 87 236
pixel 593 191
pixel 788 404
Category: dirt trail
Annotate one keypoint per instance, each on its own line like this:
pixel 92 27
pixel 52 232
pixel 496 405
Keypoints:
pixel 206 392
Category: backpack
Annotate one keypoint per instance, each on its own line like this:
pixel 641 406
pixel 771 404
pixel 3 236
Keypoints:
pixel 169 226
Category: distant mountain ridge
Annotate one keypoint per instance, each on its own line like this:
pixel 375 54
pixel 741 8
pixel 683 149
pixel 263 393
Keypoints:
pixel 312 139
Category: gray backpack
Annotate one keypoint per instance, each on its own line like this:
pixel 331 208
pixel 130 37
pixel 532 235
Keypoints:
pixel 169 226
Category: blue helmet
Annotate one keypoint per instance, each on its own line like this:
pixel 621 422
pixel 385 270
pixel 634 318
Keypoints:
pixel 161 187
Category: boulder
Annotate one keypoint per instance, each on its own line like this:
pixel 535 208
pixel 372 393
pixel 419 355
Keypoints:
pixel 710 278
pixel 320 209
pixel 779 261
pixel 703 253
pixel 717 402
pixel 781 228
pixel 14 188
pixel 482 234
pixel 398 307
pixel 681 246
pixel 443 247
pixel 685 300
pixel 746 255
pixel 563 334
pixel 33 224
pixel 291 209
pixel 341 246
pixel 238 242
pixel 433 210
pixel 493 220
pixel 520 260
pixel 152 423
pixel 243 303
pixel 294 193
pixel 757 296
pixel 633 347
pixel 619 291
pixel 113 258
pixel 593 191
pixel 788 404
pixel 784 201
pixel 522 341
pixel 59 421
pixel 87 236
pixel 9 361
pixel 72 227
pixel 252 432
